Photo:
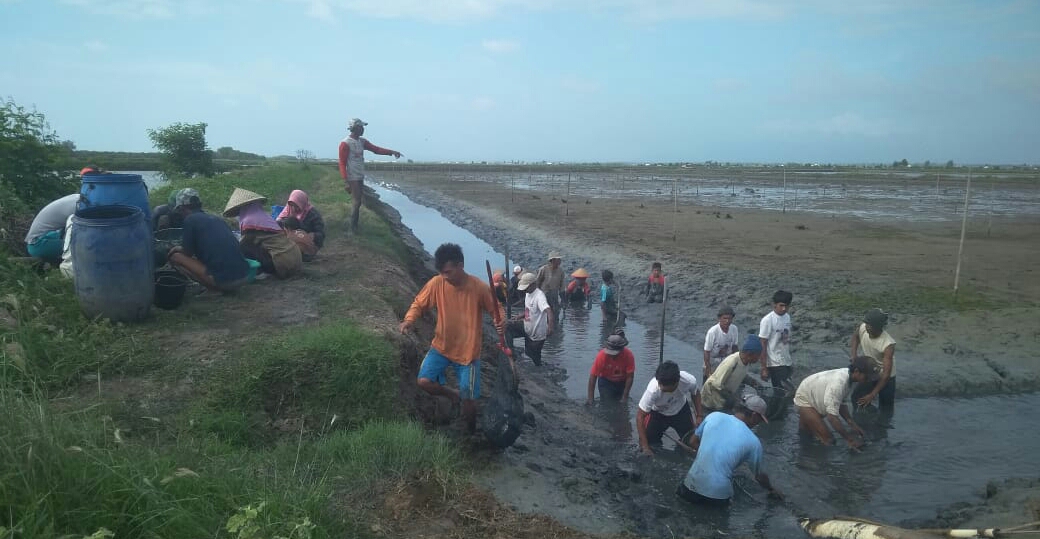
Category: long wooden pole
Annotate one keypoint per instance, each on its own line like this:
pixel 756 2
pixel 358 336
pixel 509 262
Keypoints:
pixel 964 226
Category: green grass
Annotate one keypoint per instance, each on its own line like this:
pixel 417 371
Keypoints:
pixel 275 182
pixel 75 474
pixel 315 374
pixel 48 344
pixel 221 466
pixel 921 300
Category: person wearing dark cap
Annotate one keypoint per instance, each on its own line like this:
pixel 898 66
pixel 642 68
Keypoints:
pixel 724 442
pixel 352 165
pixel 208 253
pixel 775 334
pixel 666 403
pixel 722 389
pixel 612 371
pixel 720 341
pixel 880 347
pixel 822 399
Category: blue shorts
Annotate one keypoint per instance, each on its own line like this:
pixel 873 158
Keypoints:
pixel 434 364
pixel 47 246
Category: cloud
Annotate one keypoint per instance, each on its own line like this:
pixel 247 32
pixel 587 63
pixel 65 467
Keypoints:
pixel 845 124
pixel 95 45
pixel 321 10
pixel 500 45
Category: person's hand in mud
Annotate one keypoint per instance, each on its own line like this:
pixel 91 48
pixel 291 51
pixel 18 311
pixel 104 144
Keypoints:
pixel 776 495
pixel 855 443
pixel 646 451
pixel 865 400
pixel 765 374
pixel 405 327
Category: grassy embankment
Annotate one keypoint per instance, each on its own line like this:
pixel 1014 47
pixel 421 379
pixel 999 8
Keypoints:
pixel 76 460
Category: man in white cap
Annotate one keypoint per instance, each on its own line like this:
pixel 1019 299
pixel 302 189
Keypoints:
pixel 538 317
pixel 352 164
pixel 514 294
pixel 724 442
pixel 550 280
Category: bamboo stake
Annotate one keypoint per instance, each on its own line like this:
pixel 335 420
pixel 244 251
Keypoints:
pixel 964 225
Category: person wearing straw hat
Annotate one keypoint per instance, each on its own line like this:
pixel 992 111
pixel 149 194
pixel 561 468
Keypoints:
pixel 612 371
pixel 880 347
pixel 724 442
pixel 578 289
pixel 550 280
pixel 537 318
pixel 352 164
pixel 822 399
pixel 263 239
pixel 722 389
pixel 209 252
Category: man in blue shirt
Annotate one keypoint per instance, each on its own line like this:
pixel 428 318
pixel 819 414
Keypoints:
pixel 723 443
pixel 209 252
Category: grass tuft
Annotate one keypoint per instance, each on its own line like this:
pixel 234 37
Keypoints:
pixel 921 300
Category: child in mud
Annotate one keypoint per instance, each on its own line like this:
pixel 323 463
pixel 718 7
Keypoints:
pixel 775 333
pixel 612 371
pixel 608 298
pixel 720 341
pixel 666 403
pixel 655 284
pixel 880 347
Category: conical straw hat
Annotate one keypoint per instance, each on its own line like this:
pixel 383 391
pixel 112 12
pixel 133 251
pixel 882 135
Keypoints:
pixel 240 198
pixel 580 273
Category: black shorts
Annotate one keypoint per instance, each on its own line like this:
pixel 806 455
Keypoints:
pixel 778 375
pixel 609 389
pixel 657 423
pixel 699 499
pixel 533 349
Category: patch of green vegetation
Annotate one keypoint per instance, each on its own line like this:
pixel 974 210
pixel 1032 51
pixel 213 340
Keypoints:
pixel 275 182
pixel 311 375
pixel 47 343
pixel 915 300
pixel 76 474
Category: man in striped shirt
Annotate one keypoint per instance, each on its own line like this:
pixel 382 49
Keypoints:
pixel 352 164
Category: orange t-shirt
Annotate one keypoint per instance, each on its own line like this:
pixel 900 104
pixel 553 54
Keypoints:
pixel 459 322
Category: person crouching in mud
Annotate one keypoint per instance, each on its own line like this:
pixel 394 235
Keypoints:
pixel 666 403
pixel 459 299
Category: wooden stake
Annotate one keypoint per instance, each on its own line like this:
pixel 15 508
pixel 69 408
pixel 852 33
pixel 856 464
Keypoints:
pixel 964 225
pixel 783 208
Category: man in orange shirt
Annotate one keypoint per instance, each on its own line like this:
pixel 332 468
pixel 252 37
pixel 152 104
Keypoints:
pixel 459 299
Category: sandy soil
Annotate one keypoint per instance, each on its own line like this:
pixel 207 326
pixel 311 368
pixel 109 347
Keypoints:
pixel 986 346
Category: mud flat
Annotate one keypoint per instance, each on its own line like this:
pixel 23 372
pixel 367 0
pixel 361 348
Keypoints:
pixel 574 464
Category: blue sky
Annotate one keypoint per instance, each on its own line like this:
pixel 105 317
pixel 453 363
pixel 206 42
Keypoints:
pixel 558 80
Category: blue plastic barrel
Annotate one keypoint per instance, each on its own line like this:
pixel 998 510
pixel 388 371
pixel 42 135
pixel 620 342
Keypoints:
pixel 112 262
pixel 114 189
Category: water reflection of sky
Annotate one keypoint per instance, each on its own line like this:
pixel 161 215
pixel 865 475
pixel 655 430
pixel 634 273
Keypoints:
pixel 933 453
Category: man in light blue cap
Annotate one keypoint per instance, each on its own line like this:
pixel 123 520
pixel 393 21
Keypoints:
pixel 722 389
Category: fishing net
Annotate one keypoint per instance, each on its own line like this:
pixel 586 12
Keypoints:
pixel 503 417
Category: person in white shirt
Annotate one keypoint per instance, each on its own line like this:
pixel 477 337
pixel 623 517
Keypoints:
pixel 775 333
pixel 822 399
pixel 880 347
pixel 537 317
pixel 666 403
pixel 720 341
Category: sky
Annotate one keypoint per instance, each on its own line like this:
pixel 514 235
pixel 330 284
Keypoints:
pixel 828 81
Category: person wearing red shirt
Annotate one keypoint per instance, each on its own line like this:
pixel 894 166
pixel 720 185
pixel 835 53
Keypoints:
pixel 352 164
pixel 613 371
pixel 655 284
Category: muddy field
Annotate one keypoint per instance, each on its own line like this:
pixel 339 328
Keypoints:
pixel 567 466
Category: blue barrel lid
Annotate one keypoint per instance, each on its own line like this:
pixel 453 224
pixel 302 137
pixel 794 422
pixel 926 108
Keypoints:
pixel 112 178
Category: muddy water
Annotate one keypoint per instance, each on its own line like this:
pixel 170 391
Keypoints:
pixel 932 453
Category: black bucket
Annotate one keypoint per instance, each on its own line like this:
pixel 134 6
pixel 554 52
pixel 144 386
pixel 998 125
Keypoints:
pixel 169 289
pixel 165 240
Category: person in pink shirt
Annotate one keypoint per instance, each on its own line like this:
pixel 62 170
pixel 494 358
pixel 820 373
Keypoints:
pixel 352 164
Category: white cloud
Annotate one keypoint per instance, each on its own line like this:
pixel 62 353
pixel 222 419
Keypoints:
pixel 844 124
pixel 95 45
pixel 321 10
pixel 500 45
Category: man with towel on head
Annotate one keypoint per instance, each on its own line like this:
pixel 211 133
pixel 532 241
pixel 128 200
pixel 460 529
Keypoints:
pixel 722 389
pixel 263 239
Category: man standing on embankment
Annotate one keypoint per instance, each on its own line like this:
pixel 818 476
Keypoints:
pixel 352 164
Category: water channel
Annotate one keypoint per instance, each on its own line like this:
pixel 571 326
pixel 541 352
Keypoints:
pixel 934 451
